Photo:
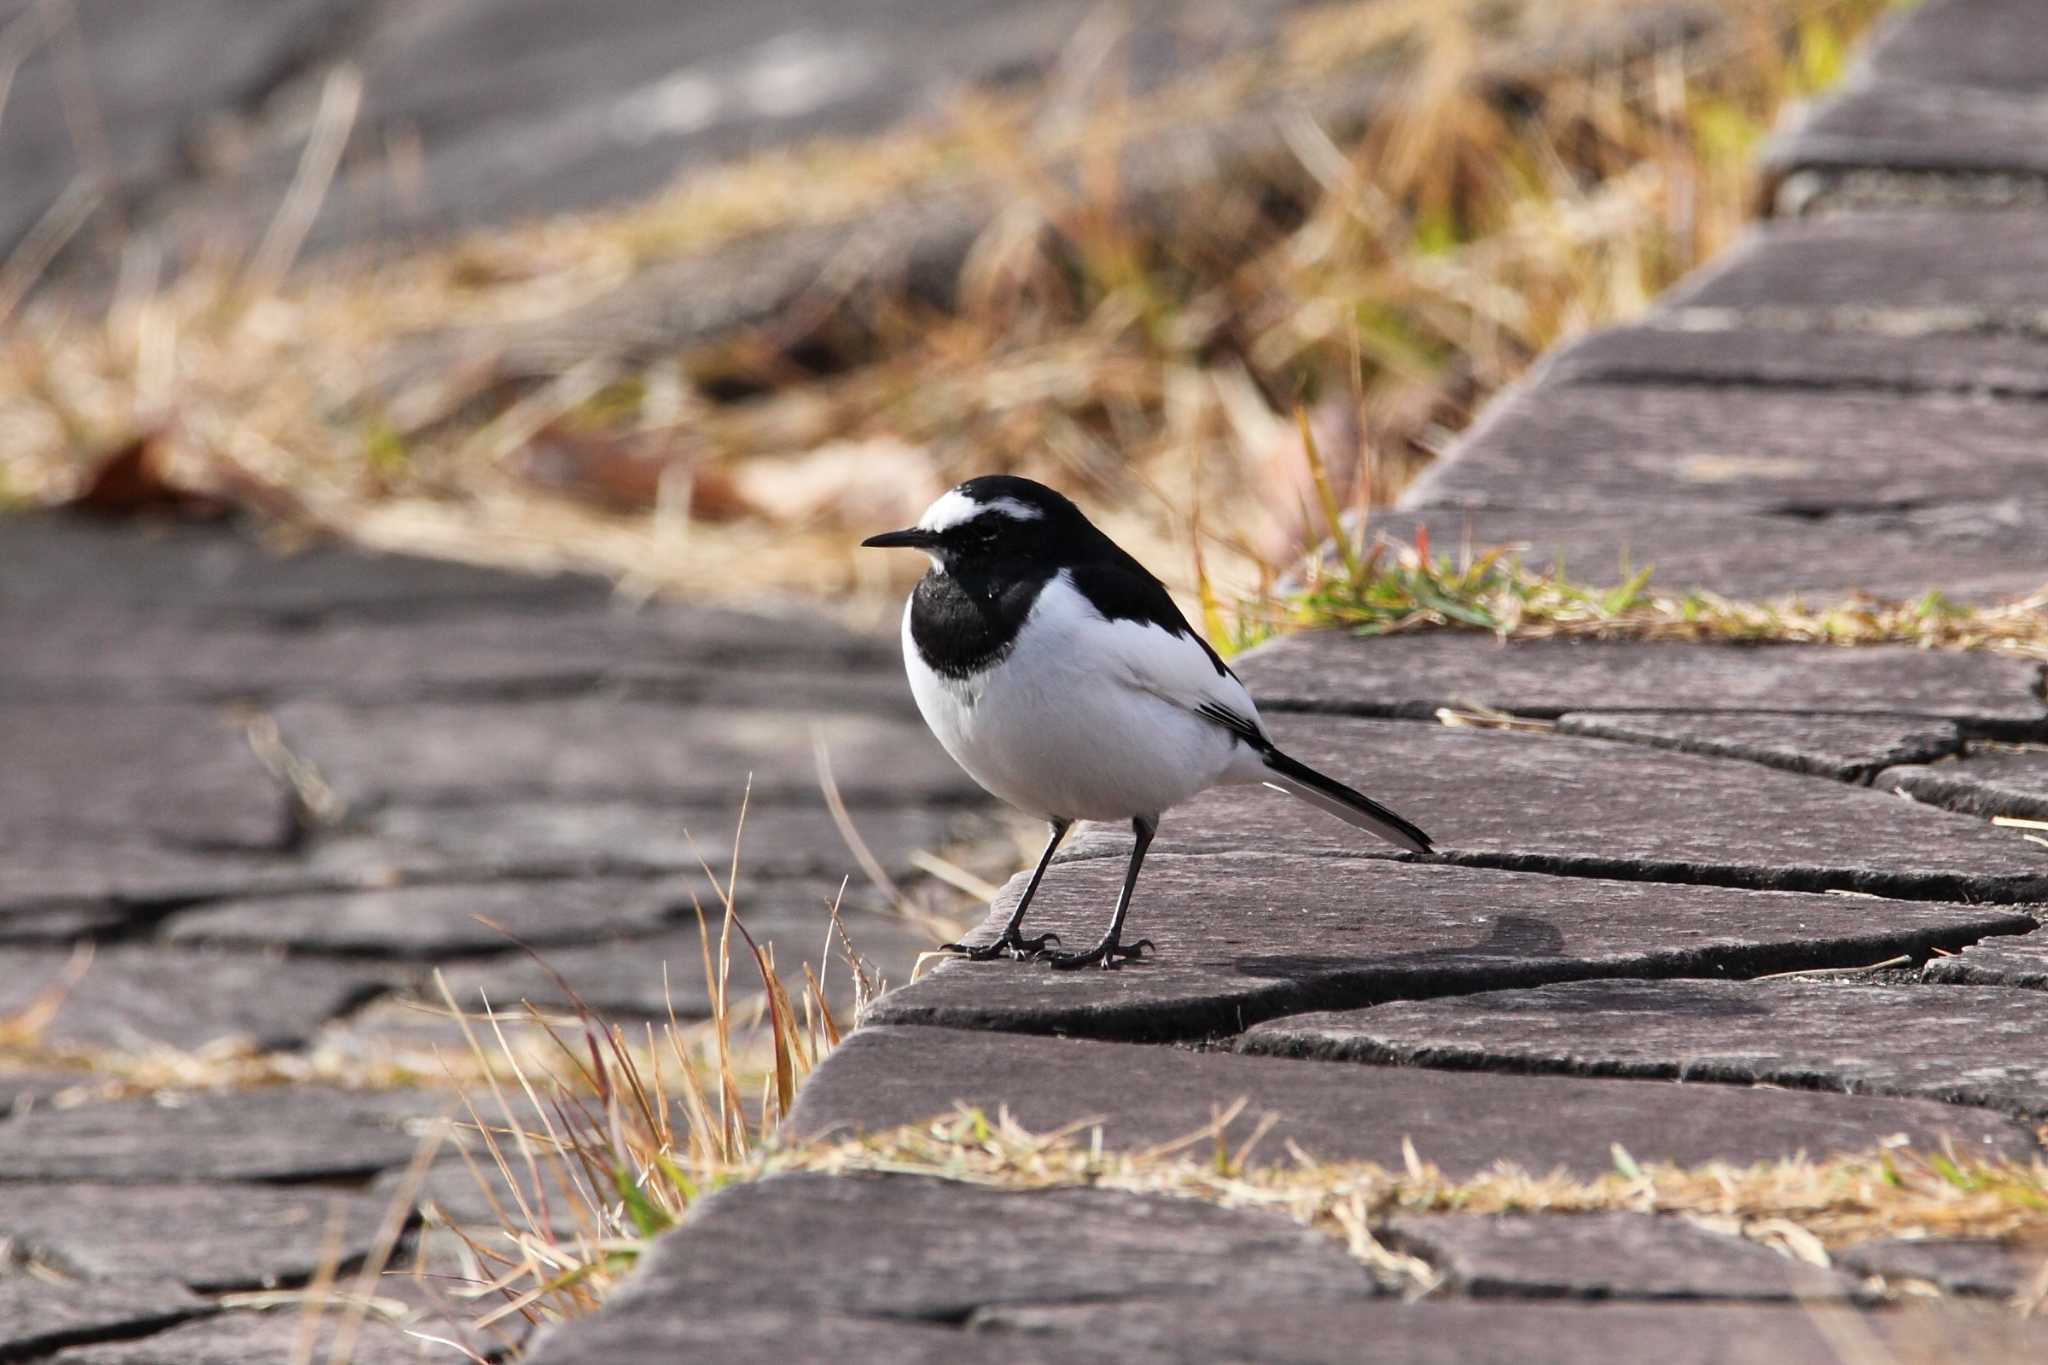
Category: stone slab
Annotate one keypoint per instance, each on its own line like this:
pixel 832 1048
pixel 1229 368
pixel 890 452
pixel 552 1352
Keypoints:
pixel 58 564
pixel 625 978
pixel 212 1239
pixel 1651 450
pixel 1433 1332
pixel 561 838
pixel 924 1249
pixel 38 1316
pixel 301 1134
pixel 1712 347
pixel 1961 549
pixel 1604 1256
pixel 1952 1265
pixel 1463 1122
pixel 1987 781
pixel 1995 962
pixel 678 654
pixel 55 886
pixel 1598 808
pixel 1244 937
pixel 778 1336
pixel 1979 1046
pixel 598 748
pixel 1413 675
pixel 181 775
pixel 1891 126
pixel 1845 748
pixel 428 922
pixel 259 1338
pixel 1993 44
pixel 1898 271
pixel 137 998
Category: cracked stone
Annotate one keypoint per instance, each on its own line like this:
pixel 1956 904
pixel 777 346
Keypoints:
pixel 134 998
pixel 1248 936
pixel 920 1248
pixel 1710 347
pixel 601 748
pixel 1436 1332
pixel 1961 548
pixel 57 886
pixel 1463 1122
pixel 1995 962
pixel 1923 129
pixel 1413 675
pixel 1953 1265
pixel 1646 450
pixel 1598 808
pixel 258 1338
pixel 777 1336
pixel 38 1316
pixel 1604 1256
pixel 304 1134
pixel 1986 781
pixel 428 922
pixel 181 775
pixel 1846 748
pixel 213 1240
pixel 1979 1046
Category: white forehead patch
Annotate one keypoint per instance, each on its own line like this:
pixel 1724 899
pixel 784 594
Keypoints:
pixel 954 508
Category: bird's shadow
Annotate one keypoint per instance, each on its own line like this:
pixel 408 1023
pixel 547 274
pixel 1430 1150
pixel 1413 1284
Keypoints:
pixel 1509 936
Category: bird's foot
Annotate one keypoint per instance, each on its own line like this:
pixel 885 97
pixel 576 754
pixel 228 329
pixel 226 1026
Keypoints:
pixel 1106 955
pixel 1011 944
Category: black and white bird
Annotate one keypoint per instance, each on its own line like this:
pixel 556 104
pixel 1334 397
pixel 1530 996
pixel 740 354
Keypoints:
pixel 1061 676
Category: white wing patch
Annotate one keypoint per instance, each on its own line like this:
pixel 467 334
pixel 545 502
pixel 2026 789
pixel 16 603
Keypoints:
pixel 1150 658
pixel 954 508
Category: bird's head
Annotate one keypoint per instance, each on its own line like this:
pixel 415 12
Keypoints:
pixel 993 520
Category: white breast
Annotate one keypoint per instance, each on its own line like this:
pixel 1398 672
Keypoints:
pixel 1086 718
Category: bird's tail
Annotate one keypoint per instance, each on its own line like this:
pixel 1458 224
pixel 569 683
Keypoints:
pixel 1356 808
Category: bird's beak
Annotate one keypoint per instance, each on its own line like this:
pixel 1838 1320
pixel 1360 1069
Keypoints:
pixel 912 539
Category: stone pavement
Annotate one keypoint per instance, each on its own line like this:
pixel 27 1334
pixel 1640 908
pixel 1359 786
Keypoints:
pixel 1600 956
pixel 274 793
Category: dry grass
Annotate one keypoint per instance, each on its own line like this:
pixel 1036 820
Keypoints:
pixel 1151 367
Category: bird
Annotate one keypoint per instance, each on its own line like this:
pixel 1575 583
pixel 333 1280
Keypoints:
pixel 1057 671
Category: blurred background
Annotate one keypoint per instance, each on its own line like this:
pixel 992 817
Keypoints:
pixel 695 295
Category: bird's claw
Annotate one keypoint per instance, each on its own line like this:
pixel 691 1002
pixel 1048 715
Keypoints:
pixel 1011 945
pixel 1108 956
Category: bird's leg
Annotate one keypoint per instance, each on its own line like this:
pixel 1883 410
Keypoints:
pixel 1110 952
pixel 1012 942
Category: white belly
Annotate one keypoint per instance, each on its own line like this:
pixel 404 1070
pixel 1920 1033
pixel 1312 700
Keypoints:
pixel 1058 740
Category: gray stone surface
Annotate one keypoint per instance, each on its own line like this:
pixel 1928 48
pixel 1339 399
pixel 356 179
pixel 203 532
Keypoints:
pixel 777 1336
pixel 261 1338
pixel 596 748
pixel 1991 44
pixel 302 1133
pixel 883 1078
pixel 1413 675
pixel 567 837
pixel 1604 1256
pixel 1846 748
pixel 1962 549
pixel 918 1248
pixel 1955 270
pixel 1952 1265
pixel 1979 1046
pixel 434 921
pixel 1431 1332
pixel 135 998
pixel 1995 962
pixel 1598 808
pixel 212 1238
pixel 1987 781
pixel 55 885
pixel 38 1316
pixel 1898 127
pixel 23 1088
pixel 625 978
pixel 1244 937
pixel 1649 451
pixel 1712 347
pixel 184 776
